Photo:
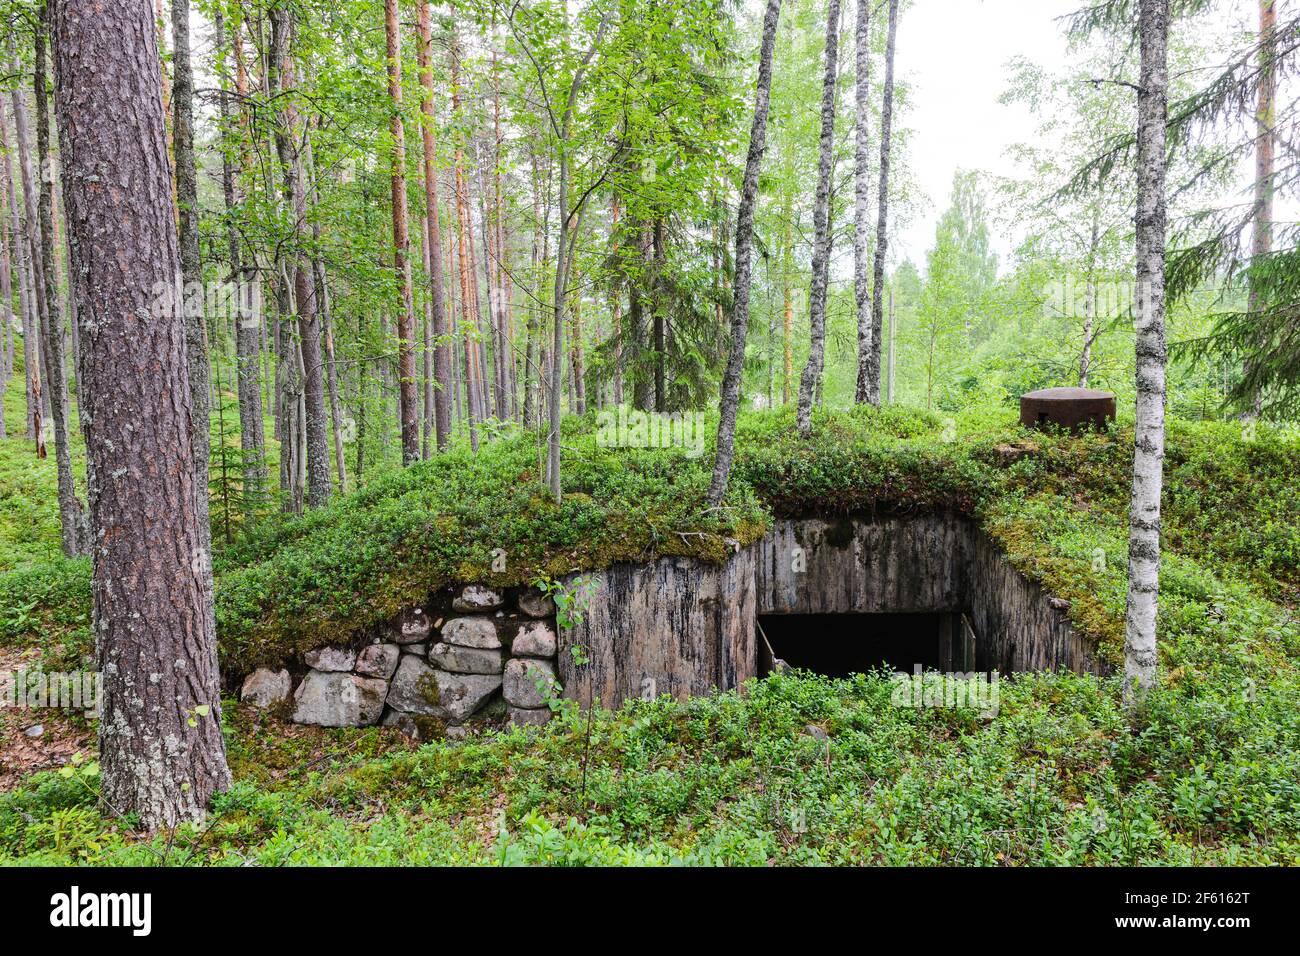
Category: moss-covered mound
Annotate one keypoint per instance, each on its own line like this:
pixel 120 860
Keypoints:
pixel 1056 504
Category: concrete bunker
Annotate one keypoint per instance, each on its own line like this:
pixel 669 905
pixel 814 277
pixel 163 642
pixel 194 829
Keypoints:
pixel 836 596
pixel 833 596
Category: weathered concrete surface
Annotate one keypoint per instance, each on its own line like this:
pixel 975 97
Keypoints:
pixel 673 626
pixel 813 566
pixel 1017 626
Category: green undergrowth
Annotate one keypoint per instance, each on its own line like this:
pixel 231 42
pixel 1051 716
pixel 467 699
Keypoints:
pixel 1057 776
pixel 1207 773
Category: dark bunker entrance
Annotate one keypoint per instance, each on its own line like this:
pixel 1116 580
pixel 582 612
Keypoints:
pixel 838 645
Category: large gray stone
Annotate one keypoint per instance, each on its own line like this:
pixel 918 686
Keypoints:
pixel 477 598
pixel 476 631
pixel 535 639
pixel 420 689
pixel 265 687
pixel 460 695
pixel 339 700
pixel 379 660
pixel 466 660
pixel 413 689
pixel 521 680
pixel 536 604
pixel 412 626
pixel 331 659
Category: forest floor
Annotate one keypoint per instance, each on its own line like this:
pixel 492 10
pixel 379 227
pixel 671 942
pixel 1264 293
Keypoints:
pixel 799 768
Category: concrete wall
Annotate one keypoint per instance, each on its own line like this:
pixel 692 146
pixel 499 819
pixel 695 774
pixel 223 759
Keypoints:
pixel 672 626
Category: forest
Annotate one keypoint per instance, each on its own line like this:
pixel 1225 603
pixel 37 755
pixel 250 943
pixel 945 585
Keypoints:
pixel 313 311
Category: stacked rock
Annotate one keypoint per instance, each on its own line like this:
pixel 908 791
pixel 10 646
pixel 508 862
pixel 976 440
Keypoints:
pixel 449 669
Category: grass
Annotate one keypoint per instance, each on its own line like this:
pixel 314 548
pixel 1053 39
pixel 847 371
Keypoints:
pixel 1208 774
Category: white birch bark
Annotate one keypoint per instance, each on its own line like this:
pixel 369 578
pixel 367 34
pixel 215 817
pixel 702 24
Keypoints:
pixel 812 372
pixel 1149 441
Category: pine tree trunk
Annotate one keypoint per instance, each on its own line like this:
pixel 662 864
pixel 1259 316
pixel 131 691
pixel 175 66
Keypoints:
pixel 407 397
pixel 731 379
pixel 187 202
pixel 72 519
pixel 868 343
pixel 473 410
pixel 882 209
pixel 1149 450
pixel 252 436
pixel 812 372
pixel 160 747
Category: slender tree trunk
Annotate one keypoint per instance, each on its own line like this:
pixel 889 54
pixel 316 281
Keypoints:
pixel 1265 121
pixel 1090 301
pixel 72 520
pixel 868 345
pixel 882 209
pixel 731 379
pixel 616 306
pixel 311 372
pixel 812 372
pixel 660 331
pixel 473 410
pixel 637 295
pixel 6 304
pixel 160 744
pixel 248 329
pixel 1149 445
pixel 187 202
pixel 407 397
pixel 893 347
pixel 321 281
pixel 26 296
pixel 579 365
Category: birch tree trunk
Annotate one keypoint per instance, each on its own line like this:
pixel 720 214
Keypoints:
pixel 26 296
pixel 882 209
pixel 868 345
pixel 310 371
pixel 731 379
pixel 407 397
pixel 1149 443
pixel 812 372
pixel 1090 300
pixel 1265 119
pixel 160 744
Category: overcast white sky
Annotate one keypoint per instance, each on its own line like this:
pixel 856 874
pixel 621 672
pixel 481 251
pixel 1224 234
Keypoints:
pixel 953 54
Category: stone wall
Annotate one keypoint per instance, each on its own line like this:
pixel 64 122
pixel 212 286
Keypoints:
pixel 471 654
